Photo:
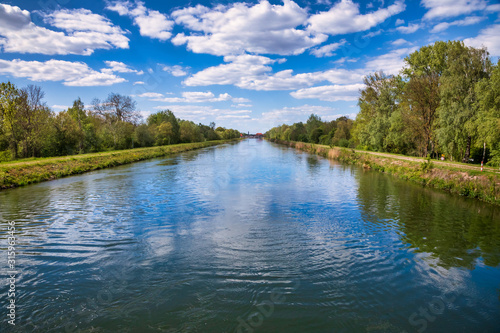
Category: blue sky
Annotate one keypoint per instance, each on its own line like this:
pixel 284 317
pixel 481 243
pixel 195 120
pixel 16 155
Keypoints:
pixel 245 65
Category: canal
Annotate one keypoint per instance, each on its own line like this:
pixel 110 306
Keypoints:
pixel 248 237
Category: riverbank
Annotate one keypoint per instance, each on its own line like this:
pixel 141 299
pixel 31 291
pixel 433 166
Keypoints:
pixel 467 182
pixel 24 172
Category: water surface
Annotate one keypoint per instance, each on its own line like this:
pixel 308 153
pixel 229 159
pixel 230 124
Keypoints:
pixel 249 237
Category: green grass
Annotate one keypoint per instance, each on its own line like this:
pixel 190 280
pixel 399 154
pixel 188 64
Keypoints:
pixel 34 170
pixel 455 179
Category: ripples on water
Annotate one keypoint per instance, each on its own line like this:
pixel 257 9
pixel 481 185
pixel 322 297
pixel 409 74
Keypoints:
pixel 250 237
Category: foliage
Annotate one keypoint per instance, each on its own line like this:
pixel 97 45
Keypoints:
pixel 28 128
pixel 446 102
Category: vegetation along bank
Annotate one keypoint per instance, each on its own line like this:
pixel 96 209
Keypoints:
pixel 454 178
pixel 23 172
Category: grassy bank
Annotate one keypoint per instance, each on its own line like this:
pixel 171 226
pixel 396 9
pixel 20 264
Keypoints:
pixel 29 171
pixel 484 186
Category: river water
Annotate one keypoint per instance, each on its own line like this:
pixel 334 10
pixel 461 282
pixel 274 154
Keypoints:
pixel 249 237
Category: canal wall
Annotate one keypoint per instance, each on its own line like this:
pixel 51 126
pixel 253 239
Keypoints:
pixel 483 186
pixel 14 174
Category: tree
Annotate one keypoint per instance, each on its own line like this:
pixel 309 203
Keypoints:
pixel 488 119
pixel 459 108
pixel 380 98
pixel 166 116
pixel 9 110
pixel 313 123
pixel 117 110
pixel 77 112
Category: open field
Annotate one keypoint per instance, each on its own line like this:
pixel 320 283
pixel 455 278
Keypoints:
pixel 29 171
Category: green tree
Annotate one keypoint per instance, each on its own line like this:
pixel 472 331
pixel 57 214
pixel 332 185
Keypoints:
pixel 166 116
pixel 488 119
pixel 78 113
pixel 377 102
pixel 9 115
pixel 459 108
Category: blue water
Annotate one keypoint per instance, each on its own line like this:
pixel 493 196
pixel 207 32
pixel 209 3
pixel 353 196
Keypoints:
pixel 249 237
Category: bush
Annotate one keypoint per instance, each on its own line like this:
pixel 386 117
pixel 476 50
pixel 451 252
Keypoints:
pixel 5 156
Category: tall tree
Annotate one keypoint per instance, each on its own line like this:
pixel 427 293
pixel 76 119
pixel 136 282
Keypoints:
pixel 423 71
pixel 77 112
pixel 488 120
pixel 458 111
pixel 9 115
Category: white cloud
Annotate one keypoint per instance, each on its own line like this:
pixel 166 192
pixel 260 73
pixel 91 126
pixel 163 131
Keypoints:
pixel 236 68
pixel 327 50
pixel 240 27
pixel 85 32
pixel 344 17
pixel 120 67
pixel 399 22
pixel 451 8
pixel 493 8
pixel 60 107
pixel 252 72
pixel 150 95
pixel 193 97
pixel 466 21
pixel 345 59
pixel 151 23
pixel 175 70
pixel 71 73
pixel 411 28
pixel 330 93
pixel 487 37
pixel 373 33
pixel 389 63
pixel 139 82
pixel 399 42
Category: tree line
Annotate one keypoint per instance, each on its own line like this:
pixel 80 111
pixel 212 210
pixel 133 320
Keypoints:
pixel 29 128
pixel 445 101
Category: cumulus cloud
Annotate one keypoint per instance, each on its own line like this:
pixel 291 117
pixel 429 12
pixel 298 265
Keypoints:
pixel 330 93
pixel 71 73
pixel 84 32
pixel 487 37
pixel 327 50
pixel 411 28
pixel 389 63
pixel 253 72
pixel 151 23
pixel 193 97
pixel 466 21
pixel 451 8
pixel 400 22
pixel 120 67
pixel 344 17
pixel 399 42
pixel 240 27
pixel 175 70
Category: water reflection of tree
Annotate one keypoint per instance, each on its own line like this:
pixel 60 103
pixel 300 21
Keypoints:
pixel 454 230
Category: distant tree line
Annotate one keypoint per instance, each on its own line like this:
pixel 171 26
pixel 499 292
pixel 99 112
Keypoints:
pixel 445 101
pixel 28 128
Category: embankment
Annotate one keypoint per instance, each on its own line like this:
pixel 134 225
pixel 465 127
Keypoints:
pixel 19 173
pixel 484 186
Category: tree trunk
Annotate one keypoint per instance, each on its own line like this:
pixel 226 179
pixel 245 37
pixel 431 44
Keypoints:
pixel 467 150
pixel 484 151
